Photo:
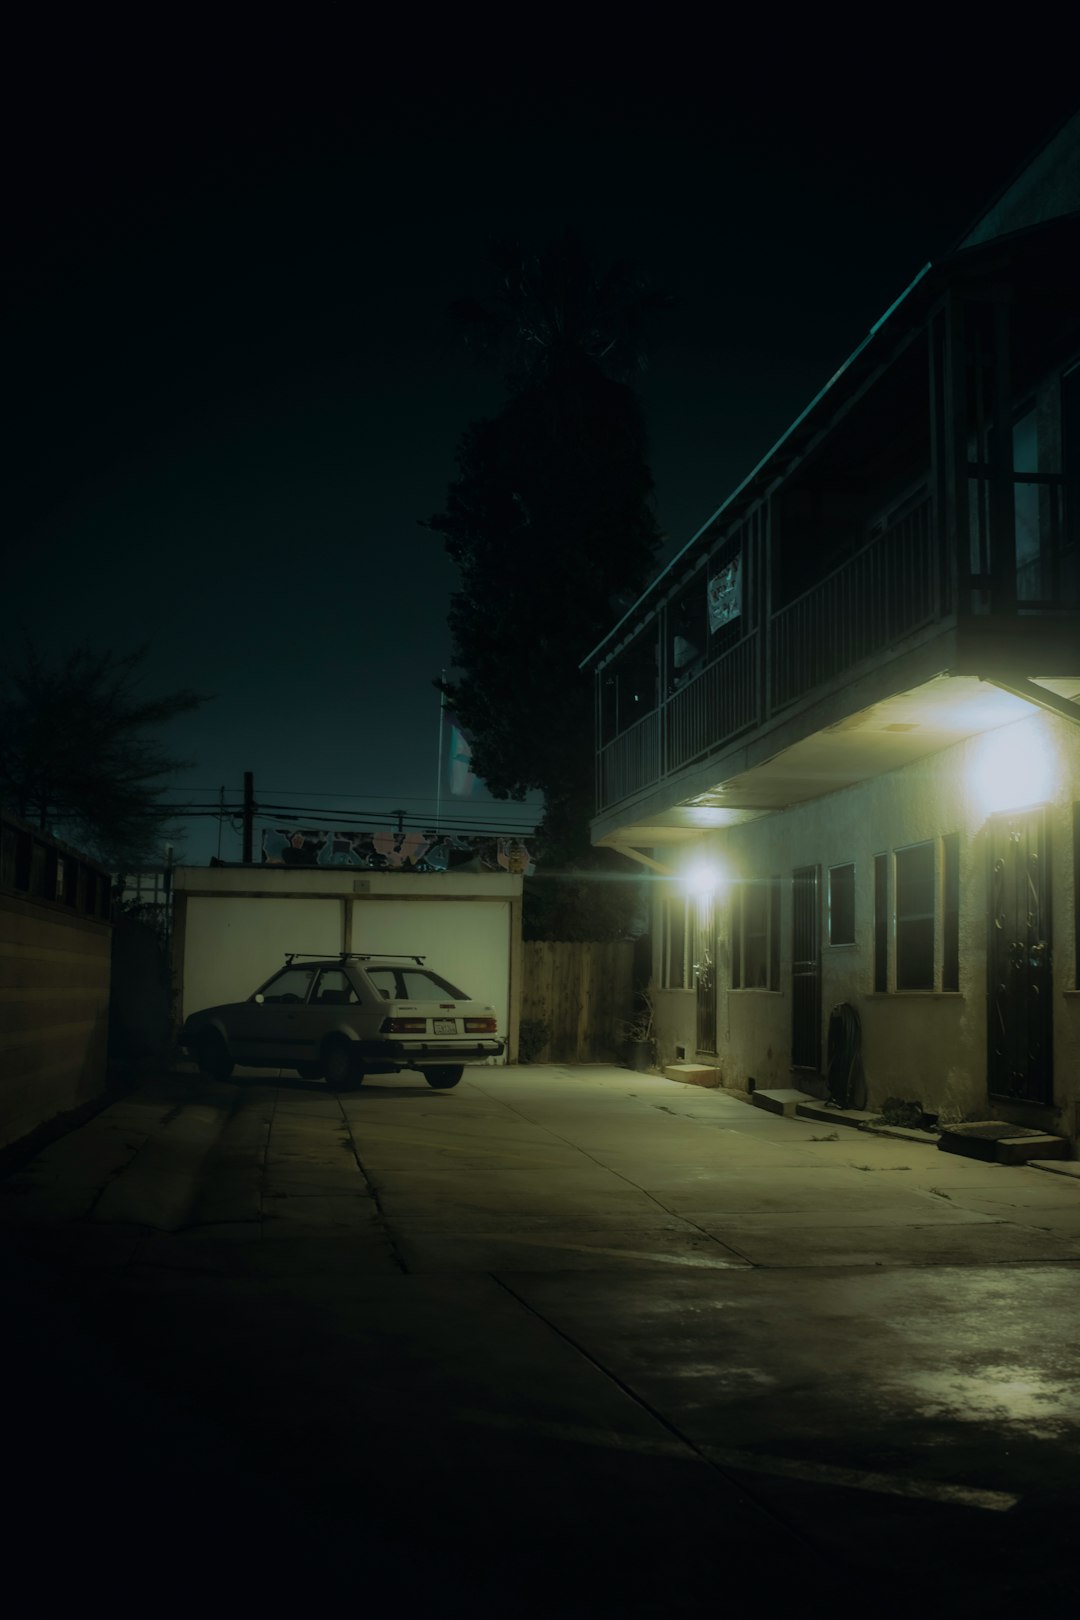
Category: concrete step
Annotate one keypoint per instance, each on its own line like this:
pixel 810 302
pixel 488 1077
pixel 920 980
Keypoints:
pixel 995 1141
pixel 694 1074
pixel 780 1100
pixel 814 1108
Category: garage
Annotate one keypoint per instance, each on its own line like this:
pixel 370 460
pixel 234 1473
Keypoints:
pixel 233 925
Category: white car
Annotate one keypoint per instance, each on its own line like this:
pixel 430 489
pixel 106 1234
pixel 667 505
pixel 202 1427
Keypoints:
pixel 342 1017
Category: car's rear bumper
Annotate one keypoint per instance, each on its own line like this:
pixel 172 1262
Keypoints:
pixel 413 1053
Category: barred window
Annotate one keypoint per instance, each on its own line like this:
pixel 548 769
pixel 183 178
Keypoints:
pixel 755 954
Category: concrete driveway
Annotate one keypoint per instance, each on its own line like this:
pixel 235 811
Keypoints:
pixel 560 1342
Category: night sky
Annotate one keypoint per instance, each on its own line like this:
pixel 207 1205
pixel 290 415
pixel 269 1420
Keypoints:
pixel 236 392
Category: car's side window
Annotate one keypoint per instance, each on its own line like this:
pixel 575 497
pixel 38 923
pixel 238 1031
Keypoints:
pixel 385 981
pixel 334 989
pixel 290 985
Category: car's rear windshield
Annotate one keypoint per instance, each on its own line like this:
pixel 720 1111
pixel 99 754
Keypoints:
pixel 412 984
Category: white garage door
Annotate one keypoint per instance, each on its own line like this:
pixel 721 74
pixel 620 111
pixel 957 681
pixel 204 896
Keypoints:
pixel 467 941
pixel 233 944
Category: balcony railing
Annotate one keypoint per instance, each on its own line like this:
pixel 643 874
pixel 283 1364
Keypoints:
pixel 630 761
pixel 886 591
pixel 890 588
pixel 717 704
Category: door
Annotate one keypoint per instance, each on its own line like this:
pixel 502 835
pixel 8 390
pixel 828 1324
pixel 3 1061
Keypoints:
pixel 805 969
pixel 1020 1036
pixel 705 976
pixel 271 1031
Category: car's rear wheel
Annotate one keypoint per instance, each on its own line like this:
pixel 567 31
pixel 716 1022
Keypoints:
pixel 340 1064
pixel 213 1056
pixel 443 1077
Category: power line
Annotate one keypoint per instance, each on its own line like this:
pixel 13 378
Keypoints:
pixel 318 793
pixel 388 798
pixel 421 824
pixel 216 808
pixel 216 804
pixel 333 821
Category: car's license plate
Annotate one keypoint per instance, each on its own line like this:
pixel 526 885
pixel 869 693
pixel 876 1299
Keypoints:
pixel 445 1026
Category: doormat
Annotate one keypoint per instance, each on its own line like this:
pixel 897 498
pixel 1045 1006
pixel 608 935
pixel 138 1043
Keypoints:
pixel 996 1141
pixel 990 1130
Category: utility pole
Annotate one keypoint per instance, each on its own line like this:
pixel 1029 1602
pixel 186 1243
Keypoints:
pixel 249 813
pixel 439 758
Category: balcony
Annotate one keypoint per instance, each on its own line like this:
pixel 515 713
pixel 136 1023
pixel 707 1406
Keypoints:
pixel 902 559
pixel 887 591
pixel 890 589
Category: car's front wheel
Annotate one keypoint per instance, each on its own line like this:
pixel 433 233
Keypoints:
pixel 213 1056
pixel 445 1076
pixel 340 1064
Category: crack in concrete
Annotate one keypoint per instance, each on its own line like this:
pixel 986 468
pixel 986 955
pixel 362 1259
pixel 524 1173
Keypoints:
pixel 384 1220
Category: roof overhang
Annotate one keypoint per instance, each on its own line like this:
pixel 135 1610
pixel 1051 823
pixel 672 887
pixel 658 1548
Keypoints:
pixel 883 737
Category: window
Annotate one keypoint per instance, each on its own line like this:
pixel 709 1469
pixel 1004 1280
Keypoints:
pixel 950 944
pixel 755 943
pixel 334 989
pixel 677 961
pixel 412 984
pixel 687 634
pixel 1076 896
pixel 842 904
pixel 881 922
pixel 915 917
pixel 628 686
pixel 419 984
pixel 1070 457
pixel 1044 447
pixel 40 869
pixel 289 985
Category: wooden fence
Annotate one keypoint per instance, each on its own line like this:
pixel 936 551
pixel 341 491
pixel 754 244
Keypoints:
pixel 54 979
pixel 582 991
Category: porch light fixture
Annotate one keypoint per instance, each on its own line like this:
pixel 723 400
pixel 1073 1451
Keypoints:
pixel 1013 767
pixel 702 878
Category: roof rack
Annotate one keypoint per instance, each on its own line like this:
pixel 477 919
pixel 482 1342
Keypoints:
pixel 352 956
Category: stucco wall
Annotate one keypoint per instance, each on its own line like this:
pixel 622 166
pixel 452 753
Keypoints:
pixel 676 1019
pixel 930 1045
pixel 54 1013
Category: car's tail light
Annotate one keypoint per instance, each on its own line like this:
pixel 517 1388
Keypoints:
pixel 480 1026
pixel 404 1026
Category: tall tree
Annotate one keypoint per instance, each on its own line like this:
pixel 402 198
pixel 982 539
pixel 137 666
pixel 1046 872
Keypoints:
pixel 550 522
pixel 548 307
pixel 76 754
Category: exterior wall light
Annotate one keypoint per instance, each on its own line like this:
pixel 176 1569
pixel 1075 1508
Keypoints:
pixel 702 879
pixel 1014 767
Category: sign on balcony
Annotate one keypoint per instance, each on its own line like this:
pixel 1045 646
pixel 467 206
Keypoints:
pixel 725 594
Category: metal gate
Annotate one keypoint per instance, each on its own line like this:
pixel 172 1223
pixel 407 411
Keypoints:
pixel 705 976
pixel 1020 1036
pixel 805 969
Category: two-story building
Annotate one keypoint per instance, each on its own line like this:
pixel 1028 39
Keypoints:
pixel 841 729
